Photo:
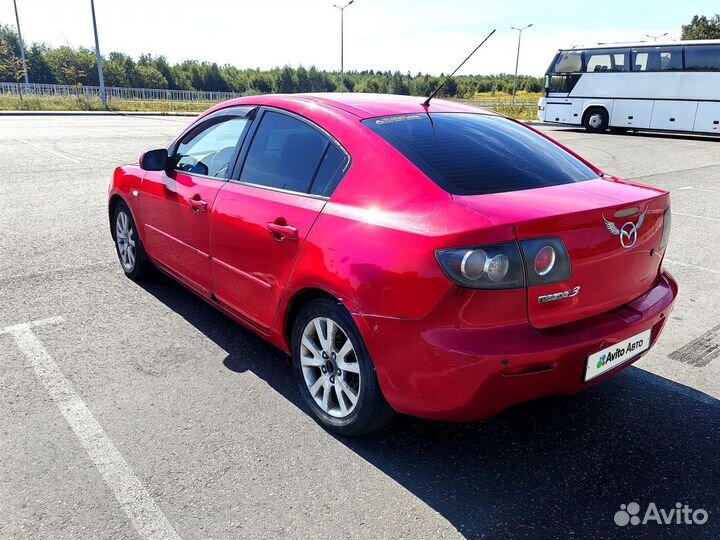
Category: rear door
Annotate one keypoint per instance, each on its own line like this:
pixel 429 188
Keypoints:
pixel 263 215
pixel 176 204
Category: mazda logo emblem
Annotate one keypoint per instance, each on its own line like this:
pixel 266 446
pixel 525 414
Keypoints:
pixel 628 232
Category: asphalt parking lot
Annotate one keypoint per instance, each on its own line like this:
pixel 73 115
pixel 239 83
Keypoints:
pixel 138 411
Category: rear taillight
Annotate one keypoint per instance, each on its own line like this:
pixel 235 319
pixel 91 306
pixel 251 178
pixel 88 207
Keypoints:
pixel 498 266
pixel 667 223
pixel 503 266
pixel 546 261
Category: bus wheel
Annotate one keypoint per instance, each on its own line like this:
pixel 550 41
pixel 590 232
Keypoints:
pixel 595 120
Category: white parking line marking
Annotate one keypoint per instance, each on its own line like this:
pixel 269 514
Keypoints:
pixel 144 514
pixel 695 266
pixel 696 216
pixel 698 189
pixel 47 150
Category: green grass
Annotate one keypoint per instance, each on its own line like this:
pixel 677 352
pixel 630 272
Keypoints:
pixel 84 103
pixel 524 109
pixel 522 95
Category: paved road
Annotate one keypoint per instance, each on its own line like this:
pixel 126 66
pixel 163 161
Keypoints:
pixel 144 413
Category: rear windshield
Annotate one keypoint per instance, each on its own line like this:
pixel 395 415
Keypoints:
pixel 477 154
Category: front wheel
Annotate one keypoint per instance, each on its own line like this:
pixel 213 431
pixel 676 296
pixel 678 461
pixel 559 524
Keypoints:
pixel 596 120
pixel 128 244
pixel 334 371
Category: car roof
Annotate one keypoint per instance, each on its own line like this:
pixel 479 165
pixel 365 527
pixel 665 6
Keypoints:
pixel 638 44
pixel 360 104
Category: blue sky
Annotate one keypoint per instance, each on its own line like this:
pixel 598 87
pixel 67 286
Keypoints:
pixel 421 35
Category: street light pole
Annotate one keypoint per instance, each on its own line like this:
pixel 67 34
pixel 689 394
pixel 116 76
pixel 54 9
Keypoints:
pixel 517 58
pixel 655 38
pixel 342 43
pixel 103 93
pixel 22 45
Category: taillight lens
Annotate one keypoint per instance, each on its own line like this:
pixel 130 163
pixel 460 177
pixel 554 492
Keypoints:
pixel 547 261
pixel 667 223
pixel 498 266
pixel 544 261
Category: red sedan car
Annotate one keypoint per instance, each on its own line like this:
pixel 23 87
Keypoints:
pixel 441 261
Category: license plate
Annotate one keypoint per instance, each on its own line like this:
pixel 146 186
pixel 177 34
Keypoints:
pixel 616 355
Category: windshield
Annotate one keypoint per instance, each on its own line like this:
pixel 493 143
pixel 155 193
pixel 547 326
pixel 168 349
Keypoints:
pixel 477 154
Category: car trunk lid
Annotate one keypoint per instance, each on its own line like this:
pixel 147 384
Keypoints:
pixel 612 232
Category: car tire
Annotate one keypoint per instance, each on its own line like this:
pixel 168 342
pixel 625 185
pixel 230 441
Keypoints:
pixel 334 372
pixel 595 120
pixel 128 245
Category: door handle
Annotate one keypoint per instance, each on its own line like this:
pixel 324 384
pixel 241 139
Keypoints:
pixel 280 231
pixel 198 204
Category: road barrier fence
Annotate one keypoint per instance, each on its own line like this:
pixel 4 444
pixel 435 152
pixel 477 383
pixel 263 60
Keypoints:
pixel 160 94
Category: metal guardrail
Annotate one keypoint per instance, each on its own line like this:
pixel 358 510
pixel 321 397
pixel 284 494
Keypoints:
pixel 501 104
pixel 114 92
pixel 158 94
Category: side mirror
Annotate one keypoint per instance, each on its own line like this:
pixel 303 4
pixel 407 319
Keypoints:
pixel 154 160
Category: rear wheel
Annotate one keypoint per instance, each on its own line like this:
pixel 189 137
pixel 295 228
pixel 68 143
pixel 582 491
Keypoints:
pixel 595 120
pixel 334 371
pixel 128 244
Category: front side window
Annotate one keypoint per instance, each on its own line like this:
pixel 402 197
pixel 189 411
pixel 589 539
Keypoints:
pixel 208 149
pixel 702 58
pixel 477 154
pixel 284 154
pixel 657 59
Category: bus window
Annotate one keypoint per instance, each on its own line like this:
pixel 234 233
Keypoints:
pixel 702 58
pixel 606 60
pixel 598 62
pixel 568 62
pixel 561 83
pixel 657 59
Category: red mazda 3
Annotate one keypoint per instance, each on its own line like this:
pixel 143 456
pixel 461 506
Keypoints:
pixel 437 260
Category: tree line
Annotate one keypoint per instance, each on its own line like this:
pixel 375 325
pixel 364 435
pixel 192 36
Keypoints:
pixel 78 66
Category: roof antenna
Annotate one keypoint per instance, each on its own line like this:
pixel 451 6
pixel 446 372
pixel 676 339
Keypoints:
pixel 426 103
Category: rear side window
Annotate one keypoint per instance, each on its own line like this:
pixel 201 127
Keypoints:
pixel 285 153
pixel 331 169
pixel 477 154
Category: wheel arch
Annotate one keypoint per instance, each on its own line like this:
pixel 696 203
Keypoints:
pixel 115 199
pixel 590 106
pixel 295 305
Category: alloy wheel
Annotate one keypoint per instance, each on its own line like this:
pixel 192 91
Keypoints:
pixel 330 367
pixel 125 238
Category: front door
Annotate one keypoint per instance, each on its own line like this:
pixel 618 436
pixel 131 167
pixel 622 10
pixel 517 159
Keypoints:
pixel 176 204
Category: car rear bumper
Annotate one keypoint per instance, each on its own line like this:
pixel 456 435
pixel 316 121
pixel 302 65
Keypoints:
pixel 459 374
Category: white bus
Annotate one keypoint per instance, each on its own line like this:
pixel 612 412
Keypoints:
pixel 658 86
